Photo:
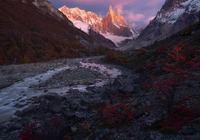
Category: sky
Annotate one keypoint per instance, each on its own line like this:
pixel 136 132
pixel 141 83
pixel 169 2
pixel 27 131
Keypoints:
pixel 136 12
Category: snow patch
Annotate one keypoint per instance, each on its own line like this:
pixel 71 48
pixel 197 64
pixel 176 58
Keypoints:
pixel 173 15
pixel 115 25
pixel 81 25
pixel 186 3
pixel 116 39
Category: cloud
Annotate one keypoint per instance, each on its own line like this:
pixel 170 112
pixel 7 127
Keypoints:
pixel 98 2
pixel 119 9
pixel 131 17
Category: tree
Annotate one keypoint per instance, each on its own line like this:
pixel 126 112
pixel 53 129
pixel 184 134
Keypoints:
pixel 180 97
pixel 181 68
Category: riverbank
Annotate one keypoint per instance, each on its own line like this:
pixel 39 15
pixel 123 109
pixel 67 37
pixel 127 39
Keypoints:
pixel 83 99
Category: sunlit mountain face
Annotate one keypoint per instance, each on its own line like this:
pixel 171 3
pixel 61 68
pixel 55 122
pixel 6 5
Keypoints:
pixel 112 26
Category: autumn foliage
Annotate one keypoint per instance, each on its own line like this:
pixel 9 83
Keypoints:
pixel 27 35
pixel 112 55
pixel 43 130
pixel 118 113
pixel 179 117
pixel 180 68
pixel 121 111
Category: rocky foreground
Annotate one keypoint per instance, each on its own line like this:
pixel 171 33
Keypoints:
pixel 122 109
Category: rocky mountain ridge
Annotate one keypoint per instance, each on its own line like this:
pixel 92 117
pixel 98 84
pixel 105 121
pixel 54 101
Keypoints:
pixel 112 23
pixel 174 16
pixel 81 15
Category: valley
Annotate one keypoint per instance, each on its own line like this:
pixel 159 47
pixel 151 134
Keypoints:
pixel 69 74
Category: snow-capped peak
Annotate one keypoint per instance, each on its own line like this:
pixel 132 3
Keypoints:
pixel 174 11
pixel 117 20
pixel 112 24
pixel 81 15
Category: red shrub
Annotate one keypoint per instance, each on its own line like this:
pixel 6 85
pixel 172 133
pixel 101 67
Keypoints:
pixel 179 117
pixel 112 55
pixel 117 113
pixel 181 67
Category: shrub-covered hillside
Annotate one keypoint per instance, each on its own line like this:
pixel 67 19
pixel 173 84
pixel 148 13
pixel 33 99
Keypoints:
pixel 31 34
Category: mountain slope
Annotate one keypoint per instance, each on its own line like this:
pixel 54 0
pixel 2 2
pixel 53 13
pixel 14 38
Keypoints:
pixel 100 39
pixel 81 15
pixel 187 37
pixel 174 16
pixel 33 31
pixel 116 24
pixel 112 26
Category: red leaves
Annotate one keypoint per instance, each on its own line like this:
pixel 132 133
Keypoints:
pixel 175 70
pixel 183 61
pixel 32 132
pixel 179 117
pixel 112 56
pixel 181 69
pixel 176 54
pixel 193 63
pixel 41 130
pixel 167 84
pixel 26 135
pixel 116 113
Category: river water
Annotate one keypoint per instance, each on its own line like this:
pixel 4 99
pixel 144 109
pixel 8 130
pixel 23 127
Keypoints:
pixel 20 95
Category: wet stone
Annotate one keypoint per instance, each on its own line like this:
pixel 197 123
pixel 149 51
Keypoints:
pixel 30 109
pixel 43 105
pixel 74 105
pixel 69 115
pixel 14 135
pixel 74 91
pixel 139 113
pixel 83 108
pixel 55 107
pixel 152 136
pixel 15 126
pixel 53 97
pixel 80 115
pixel 74 129
pixel 17 113
pixel 127 89
pixel 90 88
pixel 117 83
pixel 187 131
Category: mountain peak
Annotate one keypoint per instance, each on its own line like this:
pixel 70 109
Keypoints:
pixel 174 16
pixel 112 23
pixel 111 13
pixel 110 8
pixel 64 6
pixel 115 18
